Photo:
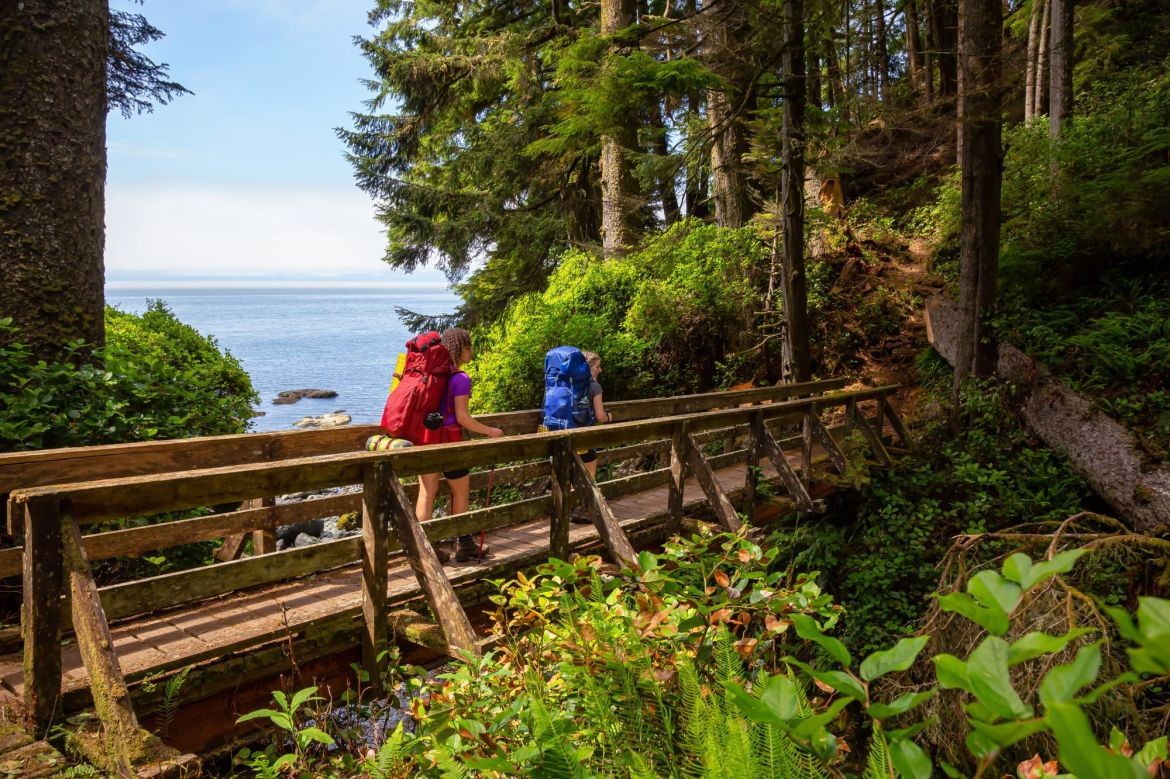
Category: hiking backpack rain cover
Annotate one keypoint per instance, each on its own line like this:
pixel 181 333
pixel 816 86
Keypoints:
pixel 566 389
pixel 419 390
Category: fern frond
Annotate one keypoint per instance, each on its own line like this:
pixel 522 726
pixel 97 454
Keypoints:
pixel 877 764
pixel 558 757
pixel 450 766
pixel 389 756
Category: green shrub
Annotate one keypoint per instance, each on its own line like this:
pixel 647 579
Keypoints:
pixel 664 319
pixel 155 378
pixel 991 476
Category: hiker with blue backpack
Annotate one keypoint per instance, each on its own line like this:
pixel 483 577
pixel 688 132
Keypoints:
pixel 573 398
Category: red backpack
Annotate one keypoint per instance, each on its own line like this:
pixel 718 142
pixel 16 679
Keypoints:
pixel 420 390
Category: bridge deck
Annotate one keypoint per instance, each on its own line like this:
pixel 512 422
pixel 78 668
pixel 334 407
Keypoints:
pixel 170 640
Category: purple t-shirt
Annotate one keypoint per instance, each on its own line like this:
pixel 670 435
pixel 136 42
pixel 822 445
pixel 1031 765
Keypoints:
pixel 459 385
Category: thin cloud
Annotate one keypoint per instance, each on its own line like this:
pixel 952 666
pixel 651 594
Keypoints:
pixel 241 231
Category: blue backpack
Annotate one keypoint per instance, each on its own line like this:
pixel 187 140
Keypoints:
pixel 566 389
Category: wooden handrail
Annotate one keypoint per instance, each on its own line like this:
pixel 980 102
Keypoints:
pixel 97 501
pixel 86 463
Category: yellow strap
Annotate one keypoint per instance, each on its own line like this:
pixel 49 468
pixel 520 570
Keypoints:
pixel 399 367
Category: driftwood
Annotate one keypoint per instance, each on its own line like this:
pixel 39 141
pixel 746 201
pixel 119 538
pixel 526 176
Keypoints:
pixel 1099 448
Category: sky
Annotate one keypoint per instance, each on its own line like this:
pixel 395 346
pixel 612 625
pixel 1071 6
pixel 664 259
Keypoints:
pixel 246 178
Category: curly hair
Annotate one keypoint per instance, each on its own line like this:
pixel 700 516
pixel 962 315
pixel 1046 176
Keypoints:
pixel 455 340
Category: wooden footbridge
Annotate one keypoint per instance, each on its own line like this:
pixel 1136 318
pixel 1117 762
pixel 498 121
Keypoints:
pixel 243 622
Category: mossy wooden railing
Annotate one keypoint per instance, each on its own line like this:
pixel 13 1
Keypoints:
pixel 46 511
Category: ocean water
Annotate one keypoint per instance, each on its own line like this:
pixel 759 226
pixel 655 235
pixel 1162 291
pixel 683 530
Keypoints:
pixel 297 335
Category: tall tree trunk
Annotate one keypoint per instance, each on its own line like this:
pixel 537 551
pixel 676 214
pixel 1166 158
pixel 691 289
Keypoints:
pixel 619 204
pixel 883 50
pixel 946 20
pixel 913 46
pixel 1040 95
pixel 836 79
pixel 1030 64
pixel 696 198
pixel 52 178
pixel 980 44
pixel 1060 81
pixel 814 80
pixel 666 179
pixel 792 190
pixel 931 48
pixel 726 107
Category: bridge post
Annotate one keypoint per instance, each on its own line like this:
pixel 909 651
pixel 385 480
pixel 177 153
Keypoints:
pixel 806 440
pixel 608 527
pixel 562 484
pixel 678 476
pixel 723 507
pixel 376 508
pixel 40 627
pixel 428 570
pixel 756 432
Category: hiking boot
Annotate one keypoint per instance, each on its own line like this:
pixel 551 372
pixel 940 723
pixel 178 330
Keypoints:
pixel 441 553
pixel 467 549
pixel 580 518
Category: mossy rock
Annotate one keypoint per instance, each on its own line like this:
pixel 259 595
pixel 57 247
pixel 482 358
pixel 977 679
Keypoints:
pixel 350 521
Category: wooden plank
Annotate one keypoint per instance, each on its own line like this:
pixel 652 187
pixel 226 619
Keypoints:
pixel 756 433
pixel 678 477
pixel 231 548
pixel 608 527
pixel 699 466
pixel 826 440
pixel 263 539
pixel 376 508
pixel 791 481
pixel 558 542
pixel 108 499
pixel 111 696
pixel 427 569
pixel 161 592
pixel 896 423
pixel 875 443
pixel 41 613
pixel 86 463
pixel 414 627
pixel 234 524
pixel 806 439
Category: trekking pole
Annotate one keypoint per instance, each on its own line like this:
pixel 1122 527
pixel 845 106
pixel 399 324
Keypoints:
pixel 487 502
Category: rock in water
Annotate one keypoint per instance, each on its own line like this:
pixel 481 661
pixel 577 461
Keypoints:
pixel 292 396
pixel 335 419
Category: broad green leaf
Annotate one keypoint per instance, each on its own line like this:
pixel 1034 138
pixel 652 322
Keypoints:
pixel 1018 568
pixel 751 707
pixel 1154 749
pixel 991 681
pixel 898 658
pixel 304 735
pixel 780 697
pixel 993 621
pixel 1079 751
pixel 1035 644
pixel 1005 734
pixel 1060 563
pixel 269 713
pixel 301 697
pixel 841 681
pixel 900 705
pixel 910 760
pixel 951 672
pixel 994 591
pixel 807 628
pixel 1154 617
pixel 1062 682
pixel 647 561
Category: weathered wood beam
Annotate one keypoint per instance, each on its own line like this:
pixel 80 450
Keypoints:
pixel 872 438
pixel 376 509
pixel 836 455
pixel 41 612
pixel 724 510
pixel 231 548
pixel 788 477
pixel 263 539
pixel 678 477
pixel 427 568
pixel 608 527
pixel 896 423
pixel 562 483
pixel 756 433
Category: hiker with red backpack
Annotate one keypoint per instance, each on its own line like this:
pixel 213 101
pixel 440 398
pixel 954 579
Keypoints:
pixel 455 420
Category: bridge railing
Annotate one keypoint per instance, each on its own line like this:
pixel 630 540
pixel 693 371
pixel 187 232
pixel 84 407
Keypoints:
pixel 46 511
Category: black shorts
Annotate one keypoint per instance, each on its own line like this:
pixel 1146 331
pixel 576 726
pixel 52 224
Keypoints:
pixel 589 456
pixel 458 473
